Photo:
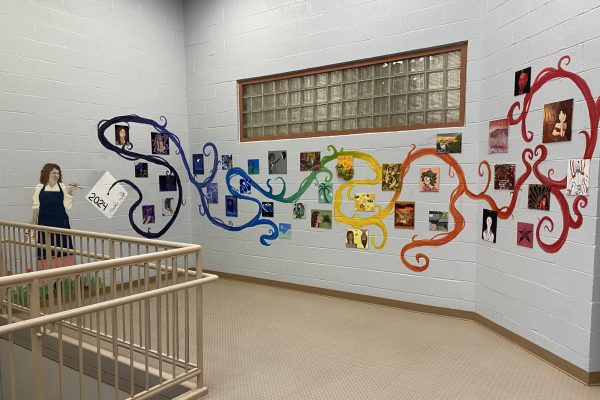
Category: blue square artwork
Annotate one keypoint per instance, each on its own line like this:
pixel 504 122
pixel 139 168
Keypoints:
pixel 231 206
pixel 267 209
pixel 212 193
pixel 245 187
pixel 198 164
pixel 253 167
pixel 285 231
pixel 226 161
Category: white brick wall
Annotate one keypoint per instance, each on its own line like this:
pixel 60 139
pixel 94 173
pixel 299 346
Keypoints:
pixel 546 298
pixel 64 66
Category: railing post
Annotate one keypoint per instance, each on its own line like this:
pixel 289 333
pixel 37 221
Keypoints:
pixel 199 323
pixel 37 374
pixel 2 268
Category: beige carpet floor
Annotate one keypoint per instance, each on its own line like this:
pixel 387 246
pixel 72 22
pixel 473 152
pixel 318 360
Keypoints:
pixel 269 343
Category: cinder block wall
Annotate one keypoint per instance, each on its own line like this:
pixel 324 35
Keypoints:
pixel 231 40
pixel 546 298
pixel 64 66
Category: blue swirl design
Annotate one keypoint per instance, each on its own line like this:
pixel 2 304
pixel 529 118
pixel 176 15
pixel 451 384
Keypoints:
pixel 207 184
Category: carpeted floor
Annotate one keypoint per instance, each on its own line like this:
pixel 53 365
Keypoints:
pixel 269 343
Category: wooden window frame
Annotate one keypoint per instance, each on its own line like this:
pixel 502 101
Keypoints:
pixel 462 47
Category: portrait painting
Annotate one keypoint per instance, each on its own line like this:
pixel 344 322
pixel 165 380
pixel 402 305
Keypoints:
pixel 167 183
pixel 141 169
pixel 197 164
pixel 231 206
pixel 212 193
pixel 525 234
pixel 429 179
pixel 504 176
pixel 578 177
pixel 558 119
pixel 364 202
pixel 253 167
pixel 121 135
pixel 267 209
pixel 160 143
pixel 391 177
pixel 498 139
pixel 310 161
pixel 277 162
pixel 245 186
pixel 168 206
pixel 538 197
pixel 404 214
pixel 438 221
pixel 226 161
pixel 298 211
pixel 449 143
pixel 321 219
pixel 325 193
pixel 357 238
pixel 148 216
pixel 488 224
pixel 522 81
pixel 285 231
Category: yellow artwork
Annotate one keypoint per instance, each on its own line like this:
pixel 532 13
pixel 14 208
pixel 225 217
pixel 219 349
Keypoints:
pixel 364 202
pixel 346 162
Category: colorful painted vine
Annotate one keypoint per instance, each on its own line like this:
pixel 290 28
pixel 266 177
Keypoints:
pixel 532 159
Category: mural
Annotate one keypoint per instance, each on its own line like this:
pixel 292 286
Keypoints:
pixel 532 158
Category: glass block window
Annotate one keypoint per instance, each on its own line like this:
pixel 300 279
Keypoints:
pixel 399 92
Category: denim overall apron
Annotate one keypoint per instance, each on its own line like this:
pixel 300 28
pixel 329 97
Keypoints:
pixel 52 213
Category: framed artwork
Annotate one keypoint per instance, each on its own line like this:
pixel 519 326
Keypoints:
pixel 578 177
pixel 364 202
pixel 245 186
pixel 253 167
pixel 522 81
pixel 298 212
pixel 438 221
pixel 449 143
pixel 357 238
pixel 141 169
pixel 344 167
pixel 391 178
pixel 404 214
pixel 430 179
pixel 558 119
pixel 278 162
pixel 498 139
pixel 167 183
pixel 310 161
pixel 285 231
pixel 504 176
pixel 325 193
pixel 267 209
pixel 121 135
pixel 212 193
pixel 525 234
pixel 226 161
pixel 231 206
pixel 168 205
pixel 148 216
pixel 321 219
pixel 197 164
pixel 489 222
pixel 538 197
pixel 160 143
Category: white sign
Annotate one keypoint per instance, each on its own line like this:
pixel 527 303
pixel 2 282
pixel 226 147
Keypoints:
pixel 102 200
